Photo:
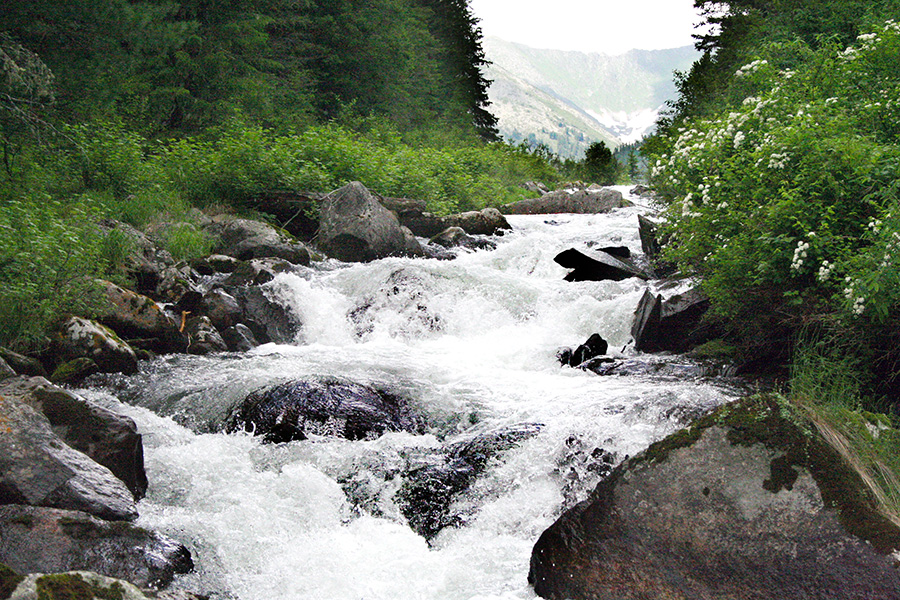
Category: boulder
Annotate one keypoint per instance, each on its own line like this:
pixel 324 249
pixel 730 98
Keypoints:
pixel 269 320
pixel 74 371
pixel 245 239
pixel 398 205
pixel 456 237
pixel 574 200
pixel 86 585
pixel 203 338
pixel 76 337
pixel 355 227
pixel 21 364
pixel 37 468
pixel 44 540
pixel 596 265
pixel 432 483
pixel 675 324
pixel 751 502
pixel 536 187
pixel 135 316
pixel 239 338
pixel 259 271
pixel 222 308
pixel 594 346
pixel 106 437
pixel 319 406
pixel 488 221
pixel 5 370
pixel 216 263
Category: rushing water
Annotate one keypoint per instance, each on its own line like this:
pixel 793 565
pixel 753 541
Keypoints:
pixel 472 343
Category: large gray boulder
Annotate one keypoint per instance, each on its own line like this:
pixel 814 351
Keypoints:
pixel 245 239
pixel 43 540
pixel 37 468
pixel 355 227
pixel 576 200
pixel 108 438
pixel 488 221
pixel 750 503
pixel 76 337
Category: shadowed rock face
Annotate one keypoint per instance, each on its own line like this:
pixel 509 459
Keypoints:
pixel 321 406
pixel 745 505
pixel 44 540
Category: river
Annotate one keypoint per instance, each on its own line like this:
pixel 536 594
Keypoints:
pixel 472 344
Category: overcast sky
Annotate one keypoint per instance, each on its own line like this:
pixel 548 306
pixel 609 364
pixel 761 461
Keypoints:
pixel 606 26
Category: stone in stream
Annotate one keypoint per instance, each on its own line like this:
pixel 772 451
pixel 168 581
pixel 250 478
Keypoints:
pixel 37 468
pixel 246 239
pixel 594 347
pixel 751 502
pixel 675 324
pixel 46 540
pixel 456 236
pixel 590 265
pixel 108 438
pixel 431 485
pixel 320 406
pixel 582 201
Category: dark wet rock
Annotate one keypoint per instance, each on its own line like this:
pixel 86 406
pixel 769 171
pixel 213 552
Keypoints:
pixel 488 221
pixel 222 308
pixel 422 223
pixel 591 265
pixel 582 201
pixel 175 282
pixel 42 540
pixel 652 244
pixel 75 337
pixel 246 239
pixel 320 406
pixel 258 271
pixel 74 371
pixel 39 469
pixel 269 320
pixel 21 364
pixel 355 227
pixel 457 237
pixel 675 369
pixel 675 324
pixel 203 338
pixel 135 316
pixel 189 303
pixel 398 205
pixel 430 486
pixel 622 252
pixel 752 501
pixel 108 438
pixel 593 347
pixel 239 338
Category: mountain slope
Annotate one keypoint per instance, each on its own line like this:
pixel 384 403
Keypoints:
pixel 567 100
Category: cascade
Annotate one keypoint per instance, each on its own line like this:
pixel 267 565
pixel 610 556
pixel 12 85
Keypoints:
pixel 471 344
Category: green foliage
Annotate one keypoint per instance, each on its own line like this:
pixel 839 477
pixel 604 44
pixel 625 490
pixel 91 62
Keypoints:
pixel 599 164
pixel 186 242
pixel 788 198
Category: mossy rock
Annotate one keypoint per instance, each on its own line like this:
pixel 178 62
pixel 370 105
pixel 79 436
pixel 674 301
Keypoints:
pixel 751 501
pixel 74 370
pixel 72 586
pixel 9 580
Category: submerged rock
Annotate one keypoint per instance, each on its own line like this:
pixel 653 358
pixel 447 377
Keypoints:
pixel 320 406
pixel 431 485
pixel 456 236
pixel 751 502
pixel 44 540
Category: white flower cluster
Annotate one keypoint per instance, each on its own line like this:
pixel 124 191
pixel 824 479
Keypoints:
pixel 799 255
pixel 891 250
pixel 859 303
pixel 777 161
pixel 750 68
pixel 825 271
pixel 739 138
pixel 875 225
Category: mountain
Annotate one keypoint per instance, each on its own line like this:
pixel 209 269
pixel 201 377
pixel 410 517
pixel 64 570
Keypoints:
pixel 567 100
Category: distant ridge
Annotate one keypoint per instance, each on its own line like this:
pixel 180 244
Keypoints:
pixel 567 100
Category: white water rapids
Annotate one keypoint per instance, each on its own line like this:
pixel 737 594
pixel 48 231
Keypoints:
pixel 472 343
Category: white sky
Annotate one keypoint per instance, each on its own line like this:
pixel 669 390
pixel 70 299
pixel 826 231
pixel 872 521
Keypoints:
pixel 605 26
